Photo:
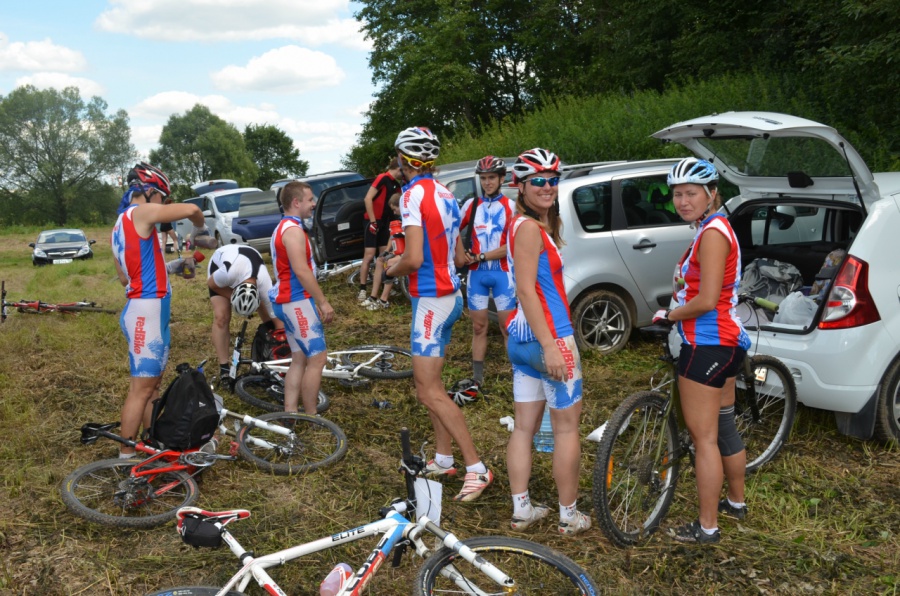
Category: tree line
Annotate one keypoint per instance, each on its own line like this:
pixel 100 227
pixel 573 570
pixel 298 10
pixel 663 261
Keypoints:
pixel 64 160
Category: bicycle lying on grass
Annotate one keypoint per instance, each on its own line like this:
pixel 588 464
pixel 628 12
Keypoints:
pixel 263 387
pixel 485 565
pixel 141 494
pixel 37 306
pixel 644 441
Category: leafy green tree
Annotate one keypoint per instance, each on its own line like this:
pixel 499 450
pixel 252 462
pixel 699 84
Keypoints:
pixel 198 145
pixel 55 146
pixel 274 153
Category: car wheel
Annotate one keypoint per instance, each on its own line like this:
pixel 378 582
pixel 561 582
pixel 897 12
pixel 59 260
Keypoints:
pixel 887 416
pixel 602 322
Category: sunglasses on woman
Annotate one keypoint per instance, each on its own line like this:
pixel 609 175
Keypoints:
pixel 540 181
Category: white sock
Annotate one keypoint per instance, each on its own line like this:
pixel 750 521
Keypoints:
pixel 522 505
pixel 478 468
pixel 567 512
pixel 709 532
pixel 735 505
pixel 444 461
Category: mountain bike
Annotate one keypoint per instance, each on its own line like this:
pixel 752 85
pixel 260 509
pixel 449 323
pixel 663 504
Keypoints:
pixel 263 387
pixel 329 270
pixel 642 445
pixel 485 565
pixel 137 493
pixel 38 306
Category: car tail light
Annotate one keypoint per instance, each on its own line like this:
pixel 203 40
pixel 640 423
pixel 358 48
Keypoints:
pixel 849 303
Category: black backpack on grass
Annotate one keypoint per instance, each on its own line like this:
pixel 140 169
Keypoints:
pixel 187 414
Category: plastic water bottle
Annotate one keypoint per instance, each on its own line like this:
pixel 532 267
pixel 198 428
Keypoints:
pixel 334 581
pixel 543 439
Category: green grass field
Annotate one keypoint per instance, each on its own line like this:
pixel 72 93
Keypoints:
pixel 824 516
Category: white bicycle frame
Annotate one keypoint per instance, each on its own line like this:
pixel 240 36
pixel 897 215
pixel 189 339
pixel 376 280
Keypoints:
pixel 334 369
pixel 327 270
pixel 394 528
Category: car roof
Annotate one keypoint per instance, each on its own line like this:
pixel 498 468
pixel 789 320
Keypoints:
pixel 206 186
pixel 62 230
pixel 322 175
pixel 612 168
pixel 218 193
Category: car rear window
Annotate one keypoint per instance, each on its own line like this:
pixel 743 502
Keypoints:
pixel 254 204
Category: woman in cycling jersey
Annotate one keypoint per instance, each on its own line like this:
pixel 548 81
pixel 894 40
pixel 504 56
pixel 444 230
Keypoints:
pixel 378 229
pixel 714 344
pixel 141 267
pixel 484 226
pixel 430 216
pixel 545 361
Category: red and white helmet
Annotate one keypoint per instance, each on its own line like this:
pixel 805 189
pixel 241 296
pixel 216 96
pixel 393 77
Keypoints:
pixel 491 165
pixel 534 161
pixel 464 392
pixel 419 143
pixel 144 173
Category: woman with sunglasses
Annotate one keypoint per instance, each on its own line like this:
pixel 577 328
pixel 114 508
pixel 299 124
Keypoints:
pixel 430 216
pixel 545 361
pixel 141 267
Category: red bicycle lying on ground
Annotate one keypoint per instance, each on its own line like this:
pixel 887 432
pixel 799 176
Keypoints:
pixel 37 306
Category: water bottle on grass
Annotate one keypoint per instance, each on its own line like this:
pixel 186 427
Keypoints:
pixel 543 439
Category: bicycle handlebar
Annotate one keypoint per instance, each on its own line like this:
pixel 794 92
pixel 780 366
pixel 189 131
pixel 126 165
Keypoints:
pixel 760 302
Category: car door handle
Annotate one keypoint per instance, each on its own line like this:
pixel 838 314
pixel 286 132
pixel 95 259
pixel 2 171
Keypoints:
pixel 243 221
pixel 643 244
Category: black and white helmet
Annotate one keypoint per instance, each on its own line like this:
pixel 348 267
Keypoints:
pixel 245 299
pixel 533 161
pixel 464 392
pixel 691 170
pixel 419 143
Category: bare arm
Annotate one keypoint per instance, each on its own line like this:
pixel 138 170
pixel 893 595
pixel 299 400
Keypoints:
pixel 123 279
pixel 370 207
pixel 713 252
pixel 146 216
pixel 294 239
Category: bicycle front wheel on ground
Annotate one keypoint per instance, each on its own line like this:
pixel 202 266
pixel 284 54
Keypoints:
pixel 262 392
pixel 105 492
pixel 636 468
pixel 390 362
pixel 535 569
pixel 192 591
pixel 315 442
pixel 776 400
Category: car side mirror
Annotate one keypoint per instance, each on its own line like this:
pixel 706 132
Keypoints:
pixel 785 215
pixel 207 213
pixel 92 242
pixel 31 244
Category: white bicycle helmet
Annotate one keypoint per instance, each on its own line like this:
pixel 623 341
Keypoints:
pixel 691 170
pixel 245 299
pixel 534 161
pixel 419 143
pixel 464 392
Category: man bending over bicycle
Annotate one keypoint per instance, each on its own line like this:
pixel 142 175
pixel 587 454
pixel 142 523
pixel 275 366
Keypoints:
pixel 141 267
pixel 237 275
pixel 431 218
pixel 298 300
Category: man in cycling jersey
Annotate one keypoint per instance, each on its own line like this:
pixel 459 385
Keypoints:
pixel 485 223
pixel 378 233
pixel 237 278
pixel 430 216
pixel 141 267
pixel 298 300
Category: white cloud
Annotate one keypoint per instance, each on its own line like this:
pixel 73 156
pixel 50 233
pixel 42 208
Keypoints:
pixel 312 22
pixel 290 69
pixel 38 56
pixel 58 80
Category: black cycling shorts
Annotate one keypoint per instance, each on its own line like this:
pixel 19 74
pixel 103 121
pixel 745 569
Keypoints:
pixel 165 227
pixel 710 365
pixel 382 238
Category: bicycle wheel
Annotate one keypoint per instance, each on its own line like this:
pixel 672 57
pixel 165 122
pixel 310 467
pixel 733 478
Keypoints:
pixel 85 308
pixel 636 468
pixel 105 492
pixel 192 591
pixel 317 442
pixel 776 400
pixel 535 569
pixel 392 362
pixel 262 392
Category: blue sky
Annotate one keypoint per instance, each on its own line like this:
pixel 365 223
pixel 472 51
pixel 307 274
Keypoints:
pixel 300 65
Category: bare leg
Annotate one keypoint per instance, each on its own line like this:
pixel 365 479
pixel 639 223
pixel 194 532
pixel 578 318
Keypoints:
pixel 446 417
pixel 479 333
pixel 566 451
pixel 368 256
pixel 735 466
pixel 138 407
pixel 518 451
pixel 312 381
pixel 700 404
pixel 292 381
pixel 221 328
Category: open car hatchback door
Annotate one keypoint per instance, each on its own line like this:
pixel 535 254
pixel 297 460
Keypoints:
pixel 339 224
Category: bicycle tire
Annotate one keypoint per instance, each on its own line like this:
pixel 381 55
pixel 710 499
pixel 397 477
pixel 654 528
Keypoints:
pixel 317 443
pixel 394 363
pixel 776 397
pixel 536 569
pixel 633 490
pixel 80 308
pixel 192 591
pixel 259 391
pixel 104 492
